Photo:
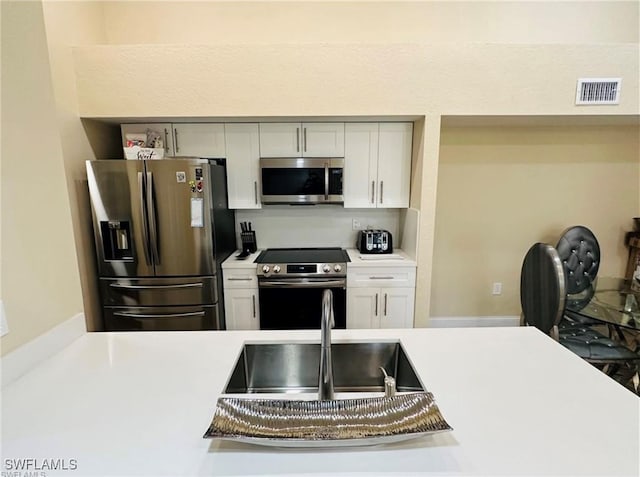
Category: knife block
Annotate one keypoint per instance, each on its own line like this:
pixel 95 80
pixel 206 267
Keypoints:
pixel 249 244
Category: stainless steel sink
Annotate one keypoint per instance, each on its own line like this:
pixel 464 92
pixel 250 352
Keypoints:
pixel 293 368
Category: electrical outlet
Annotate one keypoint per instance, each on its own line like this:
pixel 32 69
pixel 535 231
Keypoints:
pixel 4 327
pixel 355 224
pixel 497 288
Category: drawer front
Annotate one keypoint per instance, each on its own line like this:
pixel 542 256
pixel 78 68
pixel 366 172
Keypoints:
pixel 381 277
pixel 158 291
pixel 170 318
pixel 240 278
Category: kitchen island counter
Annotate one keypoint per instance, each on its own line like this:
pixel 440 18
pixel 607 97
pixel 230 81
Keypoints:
pixel 139 403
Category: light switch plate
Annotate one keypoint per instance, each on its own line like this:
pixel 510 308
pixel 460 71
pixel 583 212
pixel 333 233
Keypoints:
pixel 4 326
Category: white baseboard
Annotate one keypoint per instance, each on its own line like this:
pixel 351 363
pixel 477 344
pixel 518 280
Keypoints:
pixel 472 321
pixel 23 359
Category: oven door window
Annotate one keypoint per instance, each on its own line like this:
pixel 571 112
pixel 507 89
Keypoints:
pixel 299 308
pixel 293 181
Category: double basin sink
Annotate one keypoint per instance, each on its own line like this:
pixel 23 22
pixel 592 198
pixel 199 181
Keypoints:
pixel 293 367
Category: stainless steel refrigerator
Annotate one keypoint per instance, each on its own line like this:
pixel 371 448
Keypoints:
pixel 162 229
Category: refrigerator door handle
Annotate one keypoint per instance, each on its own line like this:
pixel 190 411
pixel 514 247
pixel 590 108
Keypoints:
pixel 153 229
pixel 145 226
pixel 168 315
pixel 155 287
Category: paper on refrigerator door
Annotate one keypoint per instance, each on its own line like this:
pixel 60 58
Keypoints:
pixel 197 212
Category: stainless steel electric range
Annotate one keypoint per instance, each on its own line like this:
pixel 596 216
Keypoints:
pixel 291 282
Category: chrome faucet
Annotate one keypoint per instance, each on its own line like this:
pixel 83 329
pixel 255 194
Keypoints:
pixel 325 386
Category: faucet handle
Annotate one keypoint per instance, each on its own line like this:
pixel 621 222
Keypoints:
pixel 389 384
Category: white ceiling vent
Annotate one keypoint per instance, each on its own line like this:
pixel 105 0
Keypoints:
pixel 598 91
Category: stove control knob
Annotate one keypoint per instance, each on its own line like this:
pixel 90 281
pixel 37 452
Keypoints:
pixel 326 268
pixel 337 268
pixel 265 268
pixel 276 269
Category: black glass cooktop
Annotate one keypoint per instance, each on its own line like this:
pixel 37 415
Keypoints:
pixel 303 255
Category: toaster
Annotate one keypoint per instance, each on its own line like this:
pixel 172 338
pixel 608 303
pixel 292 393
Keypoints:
pixel 374 241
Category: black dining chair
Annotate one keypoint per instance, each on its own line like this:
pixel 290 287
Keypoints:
pixel 579 252
pixel 542 297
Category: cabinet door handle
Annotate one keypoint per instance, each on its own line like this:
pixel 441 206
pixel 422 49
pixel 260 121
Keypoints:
pixel 255 191
pixel 166 140
pixel 376 304
pixel 297 139
pixel 373 191
pixel 385 304
pixel 380 278
pixel 234 279
pixel 175 140
pixel 381 191
pixel 304 132
pixel 253 300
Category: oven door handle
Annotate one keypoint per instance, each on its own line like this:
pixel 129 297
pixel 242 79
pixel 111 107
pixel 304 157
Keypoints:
pixel 304 283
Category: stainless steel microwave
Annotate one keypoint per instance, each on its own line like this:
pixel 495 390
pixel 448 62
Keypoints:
pixel 302 180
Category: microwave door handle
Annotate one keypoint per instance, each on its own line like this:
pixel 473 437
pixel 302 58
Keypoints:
pixel 326 181
pixel 153 228
pixel 145 225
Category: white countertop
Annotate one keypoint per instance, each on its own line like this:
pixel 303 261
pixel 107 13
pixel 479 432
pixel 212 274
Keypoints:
pixel 139 403
pixel 396 259
pixel 234 262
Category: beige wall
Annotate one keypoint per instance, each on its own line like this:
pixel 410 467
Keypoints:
pixel 501 189
pixel 78 23
pixel 232 22
pixel 40 285
pixel 347 79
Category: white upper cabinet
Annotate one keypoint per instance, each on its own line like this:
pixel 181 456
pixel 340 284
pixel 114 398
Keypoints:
pixel 323 139
pixel 394 164
pixel 199 140
pixel 164 129
pixel 302 139
pixel 377 166
pixel 361 165
pixel 243 165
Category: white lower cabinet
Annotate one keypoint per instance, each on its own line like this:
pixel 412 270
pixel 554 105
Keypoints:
pixel 380 297
pixel 241 309
pixel 380 307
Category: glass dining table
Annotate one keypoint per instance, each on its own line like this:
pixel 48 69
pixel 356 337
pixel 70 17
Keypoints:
pixel 611 301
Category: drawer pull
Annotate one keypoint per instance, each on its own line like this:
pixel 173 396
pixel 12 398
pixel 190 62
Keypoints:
pixel 155 287
pixel 163 315
pixel 234 279
pixel 381 278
